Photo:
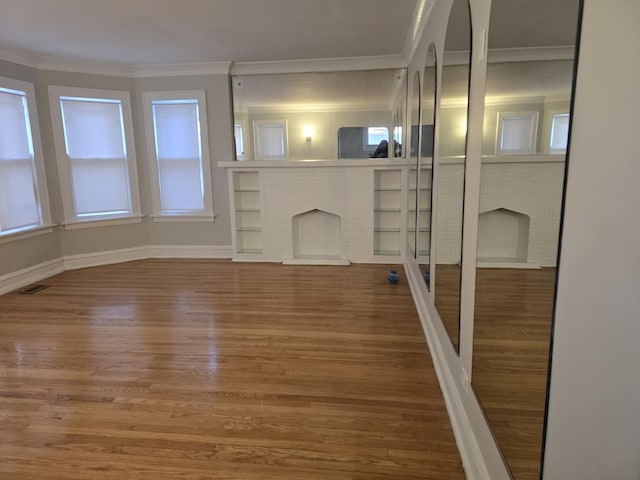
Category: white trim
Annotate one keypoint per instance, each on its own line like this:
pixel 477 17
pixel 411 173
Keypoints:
pixel 64 170
pixel 205 157
pixel 96 259
pixel 338 64
pixel 470 453
pixel 62 64
pixel 37 163
pixel 181 69
pixel 368 162
pixel 182 218
pixel 27 233
pixel 531 54
pixel 26 276
pixel 190 251
pixel 104 222
pixel 20 57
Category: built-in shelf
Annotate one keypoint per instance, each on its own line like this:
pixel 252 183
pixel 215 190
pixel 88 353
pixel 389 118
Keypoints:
pixel 248 222
pixel 387 252
pixel 387 209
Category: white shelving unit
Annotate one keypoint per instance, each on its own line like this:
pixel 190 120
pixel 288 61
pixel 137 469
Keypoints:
pixel 387 212
pixel 424 215
pixel 248 215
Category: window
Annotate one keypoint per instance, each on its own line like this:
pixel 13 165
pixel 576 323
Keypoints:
pixel 270 139
pixel 23 196
pixel 239 136
pixel 177 140
pixel 374 135
pixel 559 133
pixel 517 132
pixel 94 144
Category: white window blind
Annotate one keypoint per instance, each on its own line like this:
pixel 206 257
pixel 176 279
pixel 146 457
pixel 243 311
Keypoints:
pixel 516 133
pixel 238 133
pixel 559 133
pixel 179 155
pixel 271 140
pixel 95 147
pixel 19 206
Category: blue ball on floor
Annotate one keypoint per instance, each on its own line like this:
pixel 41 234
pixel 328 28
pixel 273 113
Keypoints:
pixel 393 277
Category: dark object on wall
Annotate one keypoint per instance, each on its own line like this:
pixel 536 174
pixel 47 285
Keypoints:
pixel 382 150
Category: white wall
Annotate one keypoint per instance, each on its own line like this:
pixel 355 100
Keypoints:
pixel 594 418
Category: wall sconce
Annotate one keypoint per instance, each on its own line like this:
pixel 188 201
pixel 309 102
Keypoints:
pixel 308 133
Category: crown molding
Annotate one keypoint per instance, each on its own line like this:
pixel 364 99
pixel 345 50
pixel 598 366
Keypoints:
pixel 62 64
pixel 181 69
pixel 20 57
pixel 306 108
pixel 531 54
pixel 318 65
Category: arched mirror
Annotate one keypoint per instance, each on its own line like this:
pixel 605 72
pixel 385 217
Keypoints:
pixel 450 168
pixel 425 175
pixel 526 125
pixel 412 200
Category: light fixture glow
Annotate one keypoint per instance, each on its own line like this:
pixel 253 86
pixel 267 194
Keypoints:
pixel 308 132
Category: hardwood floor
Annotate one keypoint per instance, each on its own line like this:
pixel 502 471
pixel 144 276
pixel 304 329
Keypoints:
pixel 447 299
pixel 510 359
pixel 201 369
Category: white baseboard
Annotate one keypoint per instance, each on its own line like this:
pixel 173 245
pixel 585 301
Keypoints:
pixel 95 259
pixel 190 251
pixel 26 276
pixel 472 460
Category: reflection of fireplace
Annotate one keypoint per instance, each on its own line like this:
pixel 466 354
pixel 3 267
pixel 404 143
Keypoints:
pixel 503 239
pixel 317 238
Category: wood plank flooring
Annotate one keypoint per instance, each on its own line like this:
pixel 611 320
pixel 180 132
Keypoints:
pixel 510 359
pixel 204 369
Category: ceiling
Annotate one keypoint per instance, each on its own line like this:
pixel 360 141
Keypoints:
pixel 135 32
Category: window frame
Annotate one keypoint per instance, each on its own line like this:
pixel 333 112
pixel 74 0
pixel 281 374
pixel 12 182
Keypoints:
pixel 551 114
pixel 41 192
pixel 532 137
pixel 158 215
pixel 256 144
pixel 71 219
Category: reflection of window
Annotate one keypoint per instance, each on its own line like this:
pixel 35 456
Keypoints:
pixel 270 139
pixel 517 132
pixel 375 135
pixel 239 136
pixel 23 196
pixel 559 133
pixel 94 139
pixel 177 138
pixel 397 134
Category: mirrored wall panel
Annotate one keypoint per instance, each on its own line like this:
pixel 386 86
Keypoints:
pixel 412 192
pixel 526 125
pixel 450 167
pixel 425 180
pixel 318 116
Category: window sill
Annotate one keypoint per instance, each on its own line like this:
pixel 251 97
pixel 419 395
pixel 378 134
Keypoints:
pixel 104 222
pixel 27 233
pixel 183 218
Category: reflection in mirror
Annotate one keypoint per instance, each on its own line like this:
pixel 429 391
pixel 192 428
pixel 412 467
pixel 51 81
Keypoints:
pixel 425 180
pixel 450 167
pixel 527 108
pixel 316 116
pixel 412 202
